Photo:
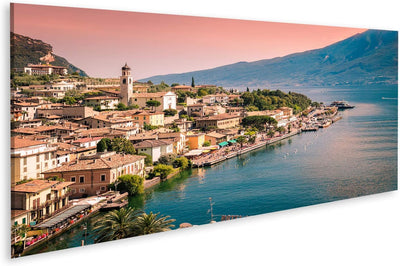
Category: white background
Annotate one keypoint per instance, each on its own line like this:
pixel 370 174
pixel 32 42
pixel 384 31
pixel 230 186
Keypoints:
pixel 361 231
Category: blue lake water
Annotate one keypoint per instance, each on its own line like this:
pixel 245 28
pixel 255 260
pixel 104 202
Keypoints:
pixel 354 157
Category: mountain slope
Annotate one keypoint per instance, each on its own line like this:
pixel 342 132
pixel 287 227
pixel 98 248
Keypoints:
pixel 25 50
pixel 367 58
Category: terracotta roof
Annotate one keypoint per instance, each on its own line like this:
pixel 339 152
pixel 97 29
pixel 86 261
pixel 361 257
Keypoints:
pixel 149 95
pixel 219 117
pixel 34 186
pixel 109 162
pixel 102 98
pixel 216 135
pixel 62 185
pixel 152 143
pixel 83 140
pixel 16 213
pixel 169 135
pixel 19 142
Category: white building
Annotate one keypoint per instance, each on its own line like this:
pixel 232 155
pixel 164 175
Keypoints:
pixel 155 148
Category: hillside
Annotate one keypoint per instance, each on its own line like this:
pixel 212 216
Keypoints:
pixel 367 58
pixel 25 50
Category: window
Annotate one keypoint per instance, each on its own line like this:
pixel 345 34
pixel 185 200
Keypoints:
pixel 73 191
pixel 25 161
pixel 73 179
pixel 81 179
pixel 37 158
pixel 46 156
pixel 103 178
pixel 38 166
pixel 25 169
pixel 103 188
pixel 81 190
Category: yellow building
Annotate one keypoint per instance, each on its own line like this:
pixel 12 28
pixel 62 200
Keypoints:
pixel 38 199
pixel 195 141
pixel 29 158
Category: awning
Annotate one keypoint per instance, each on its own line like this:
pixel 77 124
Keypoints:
pixel 63 216
pixel 232 141
pixel 205 151
pixel 193 153
pixel 222 144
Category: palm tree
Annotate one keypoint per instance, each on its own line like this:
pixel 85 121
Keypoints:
pixel 117 224
pixel 151 223
pixel 241 140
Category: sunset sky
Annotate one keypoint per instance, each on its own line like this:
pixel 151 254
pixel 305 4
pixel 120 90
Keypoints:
pixel 100 41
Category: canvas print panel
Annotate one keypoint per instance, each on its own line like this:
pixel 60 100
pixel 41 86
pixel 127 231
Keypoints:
pixel 125 124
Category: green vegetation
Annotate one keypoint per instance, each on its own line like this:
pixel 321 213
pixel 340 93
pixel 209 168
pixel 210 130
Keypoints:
pixel 149 127
pixel 241 140
pixel 120 145
pixel 153 104
pixel 128 222
pixel 206 143
pixel 167 159
pixel 181 162
pixel 158 88
pixel 271 100
pixel 161 170
pixel 123 107
pixel 193 85
pixel 133 184
pixel 170 112
pixel 259 122
pixel 148 161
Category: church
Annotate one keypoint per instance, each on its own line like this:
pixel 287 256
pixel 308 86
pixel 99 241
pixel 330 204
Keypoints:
pixel 129 96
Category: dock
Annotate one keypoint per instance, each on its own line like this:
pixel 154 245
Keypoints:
pixel 115 202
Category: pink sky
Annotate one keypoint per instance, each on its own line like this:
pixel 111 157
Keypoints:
pixel 101 41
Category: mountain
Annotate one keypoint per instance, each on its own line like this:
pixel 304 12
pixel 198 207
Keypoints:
pixel 25 50
pixel 366 58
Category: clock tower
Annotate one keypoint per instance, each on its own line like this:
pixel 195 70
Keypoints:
pixel 126 85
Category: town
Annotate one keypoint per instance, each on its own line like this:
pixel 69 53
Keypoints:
pixel 76 142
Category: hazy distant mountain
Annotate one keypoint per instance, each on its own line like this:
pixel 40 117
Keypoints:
pixel 25 50
pixel 367 58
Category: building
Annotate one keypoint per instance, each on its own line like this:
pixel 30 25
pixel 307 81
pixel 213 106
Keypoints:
pixel 184 88
pixel 86 142
pixel 32 69
pixel 195 141
pixel 37 200
pixel 29 158
pixel 66 111
pixel 179 140
pixel 27 109
pixel 196 110
pixel 93 174
pixel 221 121
pixel 214 138
pixel 167 100
pixel 155 148
pixel 102 102
pixel 60 86
pixel 287 112
pixel 126 85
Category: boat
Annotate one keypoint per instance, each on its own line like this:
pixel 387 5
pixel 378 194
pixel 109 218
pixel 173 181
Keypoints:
pixel 341 105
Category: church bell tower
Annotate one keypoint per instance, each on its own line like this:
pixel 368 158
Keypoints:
pixel 126 85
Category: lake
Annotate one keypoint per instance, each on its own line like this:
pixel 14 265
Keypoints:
pixel 354 157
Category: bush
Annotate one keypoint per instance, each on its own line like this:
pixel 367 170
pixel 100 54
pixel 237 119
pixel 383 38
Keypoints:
pixel 162 170
pixel 167 159
pixel 170 112
pixel 148 161
pixel 133 184
pixel 207 144
pixel 181 162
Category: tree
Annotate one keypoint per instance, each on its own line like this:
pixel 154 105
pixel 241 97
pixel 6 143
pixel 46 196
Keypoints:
pixel 241 140
pixel 150 223
pixel 170 112
pixel 102 145
pixel 69 100
pixel 162 170
pixel 271 133
pixel 153 103
pixel 181 162
pixel 133 184
pixel 252 139
pixel 280 130
pixel 206 143
pixel 121 107
pixel 122 145
pixel 167 159
pixel 193 83
pixel 259 121
pixel 117 224
pixel 148 160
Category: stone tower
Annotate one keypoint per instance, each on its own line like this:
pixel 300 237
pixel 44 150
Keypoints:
pixel 126 85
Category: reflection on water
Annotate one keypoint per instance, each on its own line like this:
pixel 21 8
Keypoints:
pixel 354 157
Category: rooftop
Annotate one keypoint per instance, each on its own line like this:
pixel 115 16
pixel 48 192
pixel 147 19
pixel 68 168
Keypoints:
pixel 21 142
pixel 152 143
pixel 34 186
pixel 109 162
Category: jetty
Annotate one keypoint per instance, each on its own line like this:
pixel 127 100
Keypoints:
pixel 116 202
